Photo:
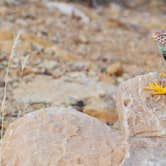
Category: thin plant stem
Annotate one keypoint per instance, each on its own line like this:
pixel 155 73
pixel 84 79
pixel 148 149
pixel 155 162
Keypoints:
pixel 3 103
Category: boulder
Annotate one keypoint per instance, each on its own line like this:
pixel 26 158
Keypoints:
pixel 65 90
pixel 97 97
pixel 143 121
pixel 141 113
pixel 61 136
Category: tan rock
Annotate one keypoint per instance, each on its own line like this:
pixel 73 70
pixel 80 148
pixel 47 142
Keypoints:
pixel 63 137
pixel 143 122
pixel 37 40
pixel 73 87
pixel 140 113
pixel 96 96
pixel 68 9
pixel 6 35
pixel 105 111
pixel 106 79
pixel 115 69
pixel 146 152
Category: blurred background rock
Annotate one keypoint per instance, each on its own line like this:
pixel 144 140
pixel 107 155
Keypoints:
pixel 96 3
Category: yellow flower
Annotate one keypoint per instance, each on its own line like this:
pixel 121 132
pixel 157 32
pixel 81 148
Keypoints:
pixel 156 88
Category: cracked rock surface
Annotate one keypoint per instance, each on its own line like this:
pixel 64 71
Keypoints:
pixel 140 113
pixel 143 121
pixel 61 136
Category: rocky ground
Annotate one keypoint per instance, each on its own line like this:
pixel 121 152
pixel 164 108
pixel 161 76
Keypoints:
pixel 74 58
pixel 63 136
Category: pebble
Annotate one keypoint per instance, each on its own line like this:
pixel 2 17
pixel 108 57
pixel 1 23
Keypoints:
pixel 115 69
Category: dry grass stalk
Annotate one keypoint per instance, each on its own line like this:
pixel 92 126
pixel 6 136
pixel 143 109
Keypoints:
pixel 3 103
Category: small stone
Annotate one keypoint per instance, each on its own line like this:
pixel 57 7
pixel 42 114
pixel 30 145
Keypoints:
pixel 115 69
pixel 48 64
pixel 79 66
pixel 81 39
pixel 79 105
pixel 107 79
pixel 103 110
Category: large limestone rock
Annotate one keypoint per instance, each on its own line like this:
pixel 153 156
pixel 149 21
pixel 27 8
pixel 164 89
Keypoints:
pixel 143 121
pixel 146 152
pixel 140 113
pixel 67 89
pixel 96 96
pixel 61 136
